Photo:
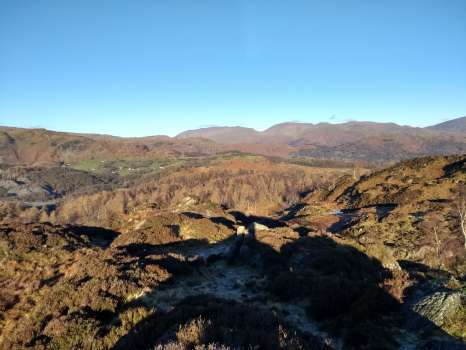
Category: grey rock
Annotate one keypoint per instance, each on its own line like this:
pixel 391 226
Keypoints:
pixel 439 306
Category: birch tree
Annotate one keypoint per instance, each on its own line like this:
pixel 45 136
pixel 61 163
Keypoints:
pixel 461 211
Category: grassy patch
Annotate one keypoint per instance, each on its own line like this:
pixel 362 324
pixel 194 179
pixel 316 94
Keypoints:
pixel 125 167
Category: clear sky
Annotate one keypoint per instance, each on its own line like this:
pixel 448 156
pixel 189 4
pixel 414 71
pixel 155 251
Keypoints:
pixel 145 67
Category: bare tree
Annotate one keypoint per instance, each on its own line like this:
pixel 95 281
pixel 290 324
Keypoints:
pixel 438 244
pixel 461 211
pixel 432 224
pixel 356 171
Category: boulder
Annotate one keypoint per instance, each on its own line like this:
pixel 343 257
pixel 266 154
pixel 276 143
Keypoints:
pixel 439 306
pixel 432 307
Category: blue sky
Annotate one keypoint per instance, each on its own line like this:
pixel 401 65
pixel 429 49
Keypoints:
pixel 148 67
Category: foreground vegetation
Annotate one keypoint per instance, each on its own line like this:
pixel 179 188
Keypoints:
pixel 234 251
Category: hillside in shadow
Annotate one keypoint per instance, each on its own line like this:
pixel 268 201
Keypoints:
pixel 344 293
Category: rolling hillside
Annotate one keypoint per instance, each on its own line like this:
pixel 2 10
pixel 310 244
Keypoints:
pixel 377 143
pixel 40 146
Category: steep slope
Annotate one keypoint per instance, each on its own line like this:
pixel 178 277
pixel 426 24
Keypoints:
pixel 457 125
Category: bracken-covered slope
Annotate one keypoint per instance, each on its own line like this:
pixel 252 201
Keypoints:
pixel 414 210
pixel 40 146
pixel 405 212
pixel 247 183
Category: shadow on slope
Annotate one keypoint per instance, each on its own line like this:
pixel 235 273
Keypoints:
pixel 341 288
pixel 246 220
pixel 98 236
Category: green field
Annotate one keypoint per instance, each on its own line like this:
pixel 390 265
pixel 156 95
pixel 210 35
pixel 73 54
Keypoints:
pixel 125 167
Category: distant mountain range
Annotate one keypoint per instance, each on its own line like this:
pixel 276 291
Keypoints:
pixel 368 141
pixel 363 141
pixel 321 133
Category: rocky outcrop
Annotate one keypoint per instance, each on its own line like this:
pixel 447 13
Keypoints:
pixel 434 309
pixel 440 306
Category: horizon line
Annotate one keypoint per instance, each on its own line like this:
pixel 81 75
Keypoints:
pixel 348 121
